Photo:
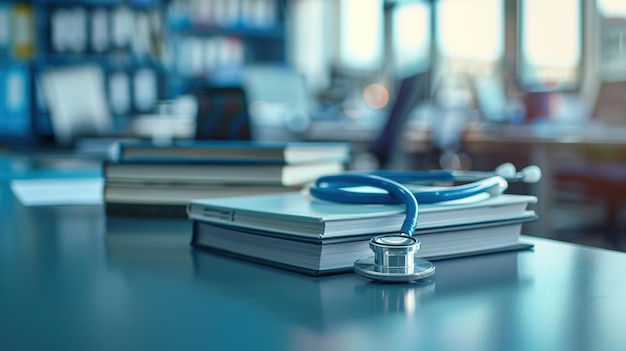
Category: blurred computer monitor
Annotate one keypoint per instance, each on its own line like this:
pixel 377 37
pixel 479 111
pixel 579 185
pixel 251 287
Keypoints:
pixel 76 100
pixel 279 100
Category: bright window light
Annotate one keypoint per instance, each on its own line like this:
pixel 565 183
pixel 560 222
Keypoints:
pixel 361 33
pixel 411 36
pixel 470 29
pixel 612 8
pixel 551 42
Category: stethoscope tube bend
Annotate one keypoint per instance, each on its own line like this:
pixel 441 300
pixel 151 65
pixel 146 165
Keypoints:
pixel 330 188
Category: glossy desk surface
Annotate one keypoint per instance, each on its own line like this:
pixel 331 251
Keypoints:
pixel 70 279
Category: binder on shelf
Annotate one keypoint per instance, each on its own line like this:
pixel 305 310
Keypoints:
pixel 5 28
pixel 23 31
pixel 15 118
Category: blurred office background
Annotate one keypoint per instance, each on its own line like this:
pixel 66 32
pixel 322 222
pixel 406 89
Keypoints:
pixel 74 72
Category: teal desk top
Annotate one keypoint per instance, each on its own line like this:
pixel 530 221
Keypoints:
pixel 71 279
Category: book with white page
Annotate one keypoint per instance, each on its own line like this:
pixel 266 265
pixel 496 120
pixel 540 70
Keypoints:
pixel 298 214
pixel 233 151
pixel 219 174
pixel 337 255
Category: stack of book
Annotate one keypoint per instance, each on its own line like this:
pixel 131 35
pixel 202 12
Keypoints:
pixel 143 179
pixel 297 232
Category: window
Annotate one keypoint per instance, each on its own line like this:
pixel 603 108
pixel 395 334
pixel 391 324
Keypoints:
pixel 411 37
pixel 612 43
pixel 311 40
pixel 469 36
pixel 361 34
pixel 551 42
pixel 612 8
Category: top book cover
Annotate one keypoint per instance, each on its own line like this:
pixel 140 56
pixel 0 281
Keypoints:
pixel 299 214
pixel 190 151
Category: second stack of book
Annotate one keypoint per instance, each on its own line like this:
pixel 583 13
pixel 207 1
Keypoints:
pixel 144 179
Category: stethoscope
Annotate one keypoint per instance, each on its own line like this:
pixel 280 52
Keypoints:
pixel 394 257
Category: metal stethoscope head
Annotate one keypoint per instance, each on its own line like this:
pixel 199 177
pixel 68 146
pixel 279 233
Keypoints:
pixel 394 260
pixel 394 257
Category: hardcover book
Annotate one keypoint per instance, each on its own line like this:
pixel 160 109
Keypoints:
pixel 298 214
pixel 179 193
pixel 233 152
pixel 223 174
pixel 337 255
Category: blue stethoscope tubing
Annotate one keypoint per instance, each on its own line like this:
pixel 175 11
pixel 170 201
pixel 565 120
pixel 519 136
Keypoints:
pixel 334 188
pixel 330 188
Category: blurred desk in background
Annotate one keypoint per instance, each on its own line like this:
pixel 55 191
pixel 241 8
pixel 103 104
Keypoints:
pixel 593 155
pixel 163 127
pixel 342 130
pixel 359 133
pixel 362 134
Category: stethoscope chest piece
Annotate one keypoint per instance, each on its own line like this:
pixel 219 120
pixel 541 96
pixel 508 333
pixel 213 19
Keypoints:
pixel 394 260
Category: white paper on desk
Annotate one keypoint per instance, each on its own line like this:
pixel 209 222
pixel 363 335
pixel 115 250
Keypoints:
pixel 46 192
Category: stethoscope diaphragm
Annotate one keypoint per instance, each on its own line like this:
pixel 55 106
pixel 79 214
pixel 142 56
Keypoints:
pixel 394 260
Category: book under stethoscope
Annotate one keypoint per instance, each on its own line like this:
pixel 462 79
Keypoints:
pixel 394 257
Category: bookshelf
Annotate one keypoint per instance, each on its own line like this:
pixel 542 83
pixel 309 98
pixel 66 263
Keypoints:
pixel 123 38
pixel 211 40
pixel 149 51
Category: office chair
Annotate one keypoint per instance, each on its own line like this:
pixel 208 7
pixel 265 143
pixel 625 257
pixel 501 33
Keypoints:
pixel 222 114
pixel 411 90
